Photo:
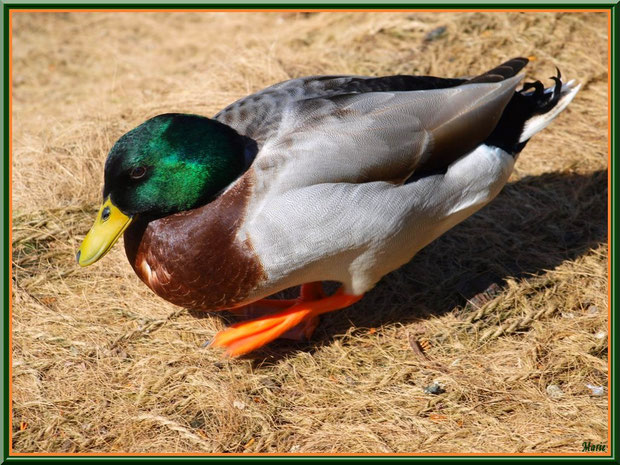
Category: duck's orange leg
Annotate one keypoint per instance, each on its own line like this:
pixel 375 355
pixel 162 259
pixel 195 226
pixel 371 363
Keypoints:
pixel 264 307
pixel 246 336
pixel 308 291
pixel 312 291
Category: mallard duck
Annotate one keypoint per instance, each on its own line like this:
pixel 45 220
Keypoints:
pixel 322 178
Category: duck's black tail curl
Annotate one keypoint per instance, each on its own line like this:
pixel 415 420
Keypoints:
pixel 530 111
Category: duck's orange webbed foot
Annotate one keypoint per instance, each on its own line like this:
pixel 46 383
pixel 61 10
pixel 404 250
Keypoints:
pixel 246 336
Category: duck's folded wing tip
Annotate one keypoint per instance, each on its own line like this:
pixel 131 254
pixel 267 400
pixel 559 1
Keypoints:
pixel 502 72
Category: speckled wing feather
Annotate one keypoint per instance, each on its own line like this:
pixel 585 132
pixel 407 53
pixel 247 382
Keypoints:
pixel 353 129
pixel 258 116
pixel 378 136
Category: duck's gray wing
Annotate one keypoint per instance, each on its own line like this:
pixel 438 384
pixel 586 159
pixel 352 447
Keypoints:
pixel 258 116
pixel 379 136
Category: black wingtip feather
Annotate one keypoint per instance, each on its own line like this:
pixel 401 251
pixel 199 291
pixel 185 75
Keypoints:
pixel 504 71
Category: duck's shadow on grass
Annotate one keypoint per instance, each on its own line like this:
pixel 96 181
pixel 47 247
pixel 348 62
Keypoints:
pixel 535 224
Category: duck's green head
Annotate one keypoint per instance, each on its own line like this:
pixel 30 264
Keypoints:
pixel 170 163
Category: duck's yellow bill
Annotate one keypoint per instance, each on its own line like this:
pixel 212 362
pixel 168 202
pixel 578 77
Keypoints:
pixel 108 227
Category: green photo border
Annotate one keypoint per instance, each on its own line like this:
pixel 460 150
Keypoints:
pixel 15 5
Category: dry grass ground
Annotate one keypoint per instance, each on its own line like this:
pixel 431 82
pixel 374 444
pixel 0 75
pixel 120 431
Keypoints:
pixel 510 302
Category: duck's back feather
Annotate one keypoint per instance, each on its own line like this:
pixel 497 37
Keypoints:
pixel 377 136
pixel 258 115
pixel 360 129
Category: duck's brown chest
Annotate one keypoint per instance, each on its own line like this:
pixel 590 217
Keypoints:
pixel 194 259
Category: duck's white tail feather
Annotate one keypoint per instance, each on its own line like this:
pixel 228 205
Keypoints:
pixel 530 111
pixel 539 122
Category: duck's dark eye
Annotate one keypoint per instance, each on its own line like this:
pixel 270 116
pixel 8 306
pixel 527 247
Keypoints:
pixel 137 172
